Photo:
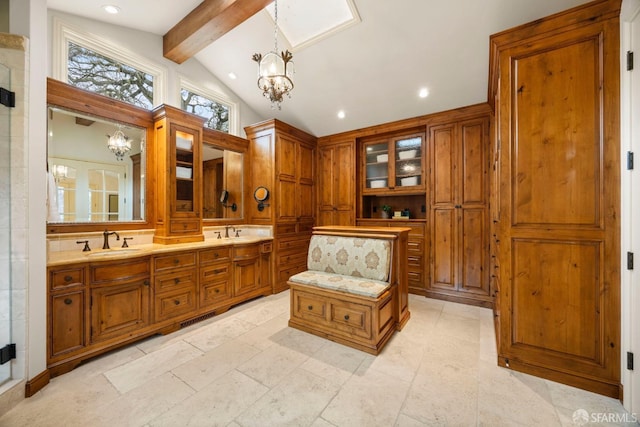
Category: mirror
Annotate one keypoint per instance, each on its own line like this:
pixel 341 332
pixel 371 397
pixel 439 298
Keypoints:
pixel 93 182
pixel 222 186
pixel 261 194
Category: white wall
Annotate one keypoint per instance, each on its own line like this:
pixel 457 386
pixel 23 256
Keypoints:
pixel 149 46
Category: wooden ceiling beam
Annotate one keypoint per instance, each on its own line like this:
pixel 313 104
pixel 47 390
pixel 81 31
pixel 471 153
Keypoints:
pixel 205 24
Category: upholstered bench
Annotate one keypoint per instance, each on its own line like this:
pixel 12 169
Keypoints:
pixel 355 288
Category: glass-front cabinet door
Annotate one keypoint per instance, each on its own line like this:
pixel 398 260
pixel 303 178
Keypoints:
pixel 184 146
pixel 394 163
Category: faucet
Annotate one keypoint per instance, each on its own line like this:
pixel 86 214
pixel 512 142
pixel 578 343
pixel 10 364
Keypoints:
pixel 106 235
pixel 226 230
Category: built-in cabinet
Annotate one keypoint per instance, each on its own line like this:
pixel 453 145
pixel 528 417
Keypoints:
pixel 178 175
pixel 283 158
pixel 459 210
pixel 336 184
pixel 98 305
pixel 555 84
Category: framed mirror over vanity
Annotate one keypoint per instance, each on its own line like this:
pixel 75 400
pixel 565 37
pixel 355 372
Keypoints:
pixel 98 187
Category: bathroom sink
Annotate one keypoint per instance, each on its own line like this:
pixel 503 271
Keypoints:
pixel 113 253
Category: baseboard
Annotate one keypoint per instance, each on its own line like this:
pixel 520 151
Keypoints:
pixel 37 383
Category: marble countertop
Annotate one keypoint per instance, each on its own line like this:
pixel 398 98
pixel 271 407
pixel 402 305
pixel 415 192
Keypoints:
pixel 70 257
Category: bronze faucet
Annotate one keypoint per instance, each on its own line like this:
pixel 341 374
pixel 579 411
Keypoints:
pixel 106 235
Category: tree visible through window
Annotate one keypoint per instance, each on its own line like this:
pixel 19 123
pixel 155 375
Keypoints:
pixel 97 73
pixel 216 114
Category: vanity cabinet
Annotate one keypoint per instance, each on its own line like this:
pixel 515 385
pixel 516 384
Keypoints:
pixel 119 300
pixel 178 167
pixel 215 277
pixel 249 274
pixel 174 285
pixel 283 159
pixel 66 326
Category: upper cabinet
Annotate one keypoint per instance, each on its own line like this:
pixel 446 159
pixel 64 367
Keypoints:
pixel 178 141
pixel 336 184
pixel 395 163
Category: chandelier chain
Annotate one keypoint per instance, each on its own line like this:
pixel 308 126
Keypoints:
pixel 275 31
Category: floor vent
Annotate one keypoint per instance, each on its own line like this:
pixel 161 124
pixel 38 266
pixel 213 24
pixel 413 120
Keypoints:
pixel 197 319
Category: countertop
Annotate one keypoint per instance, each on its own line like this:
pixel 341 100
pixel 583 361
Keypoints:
pixel 99 255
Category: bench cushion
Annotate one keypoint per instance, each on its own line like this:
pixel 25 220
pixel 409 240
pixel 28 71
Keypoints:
pixel 338 282
pixel 364 258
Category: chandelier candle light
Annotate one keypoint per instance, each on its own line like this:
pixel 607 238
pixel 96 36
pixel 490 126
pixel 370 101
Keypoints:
pixel 275 71
pixel 119 143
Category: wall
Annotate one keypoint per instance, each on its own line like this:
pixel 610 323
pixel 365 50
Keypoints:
pixel 4 16
pixel 149 46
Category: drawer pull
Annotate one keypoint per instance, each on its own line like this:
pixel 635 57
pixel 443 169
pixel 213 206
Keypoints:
pixel 176 302
pixel 176 261
pixel 217 291
pixel 68 301
pixel 146 282
pixel 176 280
pixel 346 317
pixel 218 271
pixel 68 279
pixel 310 307
pixel 216 255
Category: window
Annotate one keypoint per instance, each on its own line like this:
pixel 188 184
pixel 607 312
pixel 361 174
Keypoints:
pixel 89 62
pixel 98 73
pixel 215 113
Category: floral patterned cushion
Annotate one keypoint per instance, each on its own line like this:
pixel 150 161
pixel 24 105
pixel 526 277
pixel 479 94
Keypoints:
pixel 353 285
pixel 364 258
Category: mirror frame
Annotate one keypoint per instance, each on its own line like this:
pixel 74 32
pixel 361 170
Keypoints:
pixel 225 141
pixel 70 98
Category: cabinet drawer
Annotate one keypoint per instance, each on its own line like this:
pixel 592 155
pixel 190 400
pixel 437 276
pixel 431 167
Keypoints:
pixel 415 261
pixel 66 278
pixel 107 273
pixel 417 229
pixel 243 252
pixel 301 245
pixel 176 260
pixel 288 228
pixel 214 255
pixel 415 245
pixel 214 273
pixel 294 259
pixel 307 306
pixel 175 303
pixel 266 248
pixel 215 292
pixel 416 277
pixel 185 226
pixel 285 273
pixel 351 318
pixel 169 281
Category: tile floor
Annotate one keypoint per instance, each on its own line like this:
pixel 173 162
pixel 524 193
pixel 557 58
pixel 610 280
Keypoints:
pixel 247 368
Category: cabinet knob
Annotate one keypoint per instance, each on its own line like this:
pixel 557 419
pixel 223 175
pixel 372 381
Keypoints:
pixel 68 279
pixel 346 317
pixel 176 280
pixel 68 301
pixel 216 255
pixel 146 282
pixel 176 261
pixel 458 206
pixel 176 302
pixel 217 291
pixel 310 307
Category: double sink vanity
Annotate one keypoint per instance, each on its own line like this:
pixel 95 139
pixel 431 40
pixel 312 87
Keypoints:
pixel 104 298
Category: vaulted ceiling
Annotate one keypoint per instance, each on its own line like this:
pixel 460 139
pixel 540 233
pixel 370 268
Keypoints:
pixel 372 70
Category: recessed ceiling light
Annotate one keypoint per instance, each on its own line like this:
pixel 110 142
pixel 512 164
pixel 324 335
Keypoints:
pixel 232 76
pixel 341 114
pixel 109 8
pixel 424 92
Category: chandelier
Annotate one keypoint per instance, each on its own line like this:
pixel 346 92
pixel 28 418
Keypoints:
pixel 119 143
pixel 275 70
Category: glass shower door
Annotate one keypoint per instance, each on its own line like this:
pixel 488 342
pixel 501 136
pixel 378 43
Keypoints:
pixel 5 225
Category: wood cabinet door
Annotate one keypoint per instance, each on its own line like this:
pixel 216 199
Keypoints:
pixel 246 276
pixel 559 236
pixel 117 310
pixel 306 202
pixel 67 325
pixel 336 185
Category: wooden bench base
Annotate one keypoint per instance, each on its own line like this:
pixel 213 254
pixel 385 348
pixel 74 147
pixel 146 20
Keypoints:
pixel 360 322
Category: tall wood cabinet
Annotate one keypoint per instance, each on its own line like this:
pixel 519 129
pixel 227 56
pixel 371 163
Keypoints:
pixel 459 210
pixel 336 184
pixel 555 83
pixel 178 175
pixel 283 161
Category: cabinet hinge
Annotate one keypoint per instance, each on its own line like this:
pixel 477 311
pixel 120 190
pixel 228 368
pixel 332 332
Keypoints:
pixel 629 160
pixel 7 98
pixel 629 260
pixel 629 360
pixel 7 353
pixel 629 60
